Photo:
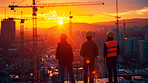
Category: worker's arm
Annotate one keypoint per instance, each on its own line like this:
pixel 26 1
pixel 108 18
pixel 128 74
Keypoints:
pixel 71 53
pixel 118 50
pixel 96 50
pixel 105 52
pixel 82 50
pixel 57 53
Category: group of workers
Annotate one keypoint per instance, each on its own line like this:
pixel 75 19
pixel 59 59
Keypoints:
pixel 88 51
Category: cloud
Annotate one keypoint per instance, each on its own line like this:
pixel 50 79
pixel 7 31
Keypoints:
pixel 142 11
pixel 138 12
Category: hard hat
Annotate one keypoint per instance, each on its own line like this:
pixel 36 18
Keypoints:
pixel 63 36
pixel 110 34
pixel 89 34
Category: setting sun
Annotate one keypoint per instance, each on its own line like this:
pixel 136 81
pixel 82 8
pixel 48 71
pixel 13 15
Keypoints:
pixel 60 22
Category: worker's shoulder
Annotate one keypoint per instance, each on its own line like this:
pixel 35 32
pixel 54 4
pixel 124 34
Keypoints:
pixel 89 42
pixel 111 41
pixel 69 45
pixel 114 40
pixel 65 44
pixel 58 44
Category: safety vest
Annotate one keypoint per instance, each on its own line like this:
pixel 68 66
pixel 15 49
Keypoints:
pixel 111 48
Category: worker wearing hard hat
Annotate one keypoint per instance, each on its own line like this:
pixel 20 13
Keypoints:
pixel 64 54
pixel 89 51
pixel 111 51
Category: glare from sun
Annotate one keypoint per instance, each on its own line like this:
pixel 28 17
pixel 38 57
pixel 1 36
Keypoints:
pixel 60 22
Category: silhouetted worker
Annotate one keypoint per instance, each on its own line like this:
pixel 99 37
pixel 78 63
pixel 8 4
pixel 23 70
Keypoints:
pixel 111 51
pixel 89 51
pixel 64 54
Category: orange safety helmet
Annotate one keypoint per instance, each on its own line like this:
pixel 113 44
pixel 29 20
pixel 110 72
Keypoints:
pixel 110 34
pixel 63 36
pixel 89 34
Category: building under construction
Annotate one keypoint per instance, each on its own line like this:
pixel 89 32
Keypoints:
pixel 7 33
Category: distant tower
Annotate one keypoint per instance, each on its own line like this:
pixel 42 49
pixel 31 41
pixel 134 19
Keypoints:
pixel 146 35
pixel 7 32
pixel 70 24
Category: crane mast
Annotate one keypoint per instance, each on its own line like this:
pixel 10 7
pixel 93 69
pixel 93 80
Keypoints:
pixel 70 23
pixel 22 50
pixel 117 19
pixel 35 55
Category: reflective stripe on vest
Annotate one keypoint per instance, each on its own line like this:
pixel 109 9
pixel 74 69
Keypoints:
pixel 111 48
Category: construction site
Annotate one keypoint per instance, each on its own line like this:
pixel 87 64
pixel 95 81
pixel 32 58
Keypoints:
pixel 31 29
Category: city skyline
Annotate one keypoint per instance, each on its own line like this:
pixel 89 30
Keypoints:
pixel 48 17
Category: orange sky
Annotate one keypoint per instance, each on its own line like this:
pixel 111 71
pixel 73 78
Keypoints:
pixel 48 17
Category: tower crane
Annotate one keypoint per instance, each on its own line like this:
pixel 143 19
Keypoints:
pixel 34 7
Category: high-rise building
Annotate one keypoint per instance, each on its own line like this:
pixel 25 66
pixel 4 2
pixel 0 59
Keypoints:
pixel 143 54
pixel 135 45
pixel 128 45
pixel 146 36
pixel 131 45
pixel 7 32
pixel 120 39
